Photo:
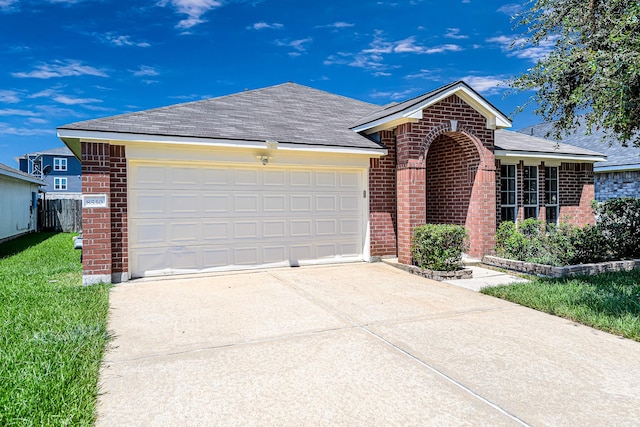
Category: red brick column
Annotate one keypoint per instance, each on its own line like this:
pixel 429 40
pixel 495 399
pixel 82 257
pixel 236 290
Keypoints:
pixel 411 189
pixel 119 223
pixel 382 200
pixel 481 221
pixel 96 221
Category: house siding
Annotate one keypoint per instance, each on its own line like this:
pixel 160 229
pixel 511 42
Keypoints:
pixel 611 185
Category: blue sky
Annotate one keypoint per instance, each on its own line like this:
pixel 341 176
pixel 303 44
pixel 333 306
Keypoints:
pixel 65 61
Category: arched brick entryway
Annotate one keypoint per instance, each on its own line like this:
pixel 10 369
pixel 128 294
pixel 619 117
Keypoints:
pixel 446 174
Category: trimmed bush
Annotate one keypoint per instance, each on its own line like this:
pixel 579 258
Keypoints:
pixel 439 246
pixel 619 222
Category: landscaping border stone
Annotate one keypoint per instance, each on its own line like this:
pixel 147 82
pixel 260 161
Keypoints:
pixel 465 273
pixel 556 272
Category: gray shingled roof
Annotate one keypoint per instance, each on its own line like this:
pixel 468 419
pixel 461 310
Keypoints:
pixel 16 173
pixel 516 141
pixel 59 151
pixel 617 155
pixel 287 113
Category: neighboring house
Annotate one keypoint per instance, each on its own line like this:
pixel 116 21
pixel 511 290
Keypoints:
pixel 59 168
pixel 18 203
pixel 618 176
pixel 290 175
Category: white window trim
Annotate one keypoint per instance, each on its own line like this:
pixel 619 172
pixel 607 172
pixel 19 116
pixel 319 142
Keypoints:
pixel 515 186
pixel 60 184
pixel 537 198
pixel 555 205
pixel 59 164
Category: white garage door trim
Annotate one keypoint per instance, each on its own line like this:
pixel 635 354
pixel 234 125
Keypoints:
pixel 188 218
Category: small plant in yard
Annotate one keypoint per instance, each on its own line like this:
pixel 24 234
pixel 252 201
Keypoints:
pixel 609 302
pixel 52 333
pixel 439 246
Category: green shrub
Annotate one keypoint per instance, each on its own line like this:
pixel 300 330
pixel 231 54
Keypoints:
pixel 439 246
pixel 588 245
pixel 619 222
pixel 534 241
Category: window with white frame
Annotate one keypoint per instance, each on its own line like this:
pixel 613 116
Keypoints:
pixel 551 194
pixel 530 192
pixel 60 184
pixel 59 164
pixel 508 206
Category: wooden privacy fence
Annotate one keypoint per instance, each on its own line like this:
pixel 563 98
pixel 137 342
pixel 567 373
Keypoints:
pixel 60 215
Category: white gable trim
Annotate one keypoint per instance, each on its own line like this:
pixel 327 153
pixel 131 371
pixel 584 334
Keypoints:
pixel 495 119
pixel 508 154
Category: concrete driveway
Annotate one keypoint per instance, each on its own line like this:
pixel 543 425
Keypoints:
pixel 357 344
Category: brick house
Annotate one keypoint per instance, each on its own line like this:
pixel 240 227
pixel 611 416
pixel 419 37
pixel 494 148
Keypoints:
pixel 290 175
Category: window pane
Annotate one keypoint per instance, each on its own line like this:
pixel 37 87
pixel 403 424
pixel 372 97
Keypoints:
pixel 530 212
pixel 552 215
pixel 508 214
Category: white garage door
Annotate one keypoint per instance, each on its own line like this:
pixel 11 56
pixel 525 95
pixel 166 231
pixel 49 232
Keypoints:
pixel 188 218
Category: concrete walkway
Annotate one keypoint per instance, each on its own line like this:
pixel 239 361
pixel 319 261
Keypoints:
pixel 359 344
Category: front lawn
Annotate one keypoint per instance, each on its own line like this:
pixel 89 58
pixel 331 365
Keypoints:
pixel 53 332
pixel 609 302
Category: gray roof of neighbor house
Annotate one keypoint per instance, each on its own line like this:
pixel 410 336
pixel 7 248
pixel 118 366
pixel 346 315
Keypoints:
pixel 617 155
pixel 18 174
pixel 286 113
pixel 506 140
pixel 59 151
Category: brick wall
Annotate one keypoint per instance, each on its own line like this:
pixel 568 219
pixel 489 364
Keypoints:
pixel 119 224
pixel 575 187
pixel 382 200
pixel 576 193
pixel 104 229
pixel 611 185
pixel 96 222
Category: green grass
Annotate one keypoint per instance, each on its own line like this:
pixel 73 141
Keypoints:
pixel 609 302
pixel 52 333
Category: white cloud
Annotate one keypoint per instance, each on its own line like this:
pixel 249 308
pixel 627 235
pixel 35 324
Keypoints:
pixel 9 97
pixel 510 9
pixel 265 26
pixel 9 5
pixel 145 70
pixel 116 40
pixel 37 120
pixel 16 112
pixel 381 74
pixel 337 25
pixel 454 33
pixel 394 95
pixel 194 9
pixel 424 74
pixel 298 45
pixel 66 68
pixel 68 100
pixel 7 129
pixel 514 46
pixel 487 85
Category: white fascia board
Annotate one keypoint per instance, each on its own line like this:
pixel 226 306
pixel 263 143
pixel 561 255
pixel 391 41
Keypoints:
pixel 506 154
pixel 210 142
pixel 617 168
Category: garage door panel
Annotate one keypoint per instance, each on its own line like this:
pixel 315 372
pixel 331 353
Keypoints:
pixel 274 178
pixel 245 229
pixel 225 217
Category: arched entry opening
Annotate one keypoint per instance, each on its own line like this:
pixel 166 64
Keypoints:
pixel 460 185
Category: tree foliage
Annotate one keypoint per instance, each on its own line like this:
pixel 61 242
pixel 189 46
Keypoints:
pixel 593 69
